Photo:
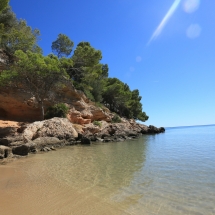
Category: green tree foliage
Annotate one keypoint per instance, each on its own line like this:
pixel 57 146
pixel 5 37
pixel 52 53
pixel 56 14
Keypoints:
pixel 3 4
pixel 35 74
pixel 87 71
pixel 62 46
pixel 136 107
pixel 116 95
pixel 57 110
pixel 120 99
pixel 16 34
pixel 7 19
pixel 86 60
pixel 21 37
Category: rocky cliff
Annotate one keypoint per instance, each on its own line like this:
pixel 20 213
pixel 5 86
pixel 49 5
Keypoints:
pixel 21 106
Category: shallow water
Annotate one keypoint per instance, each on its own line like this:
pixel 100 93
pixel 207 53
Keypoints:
pixel 165 174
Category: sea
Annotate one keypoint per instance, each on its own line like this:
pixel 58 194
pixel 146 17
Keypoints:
pixel 171 173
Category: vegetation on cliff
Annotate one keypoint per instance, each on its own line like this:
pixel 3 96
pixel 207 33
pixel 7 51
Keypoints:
pixel 25 67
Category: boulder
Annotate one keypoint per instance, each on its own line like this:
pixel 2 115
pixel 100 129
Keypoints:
pixel 85 141
pixel 5 152
pixel 4 141
pixel 17 143
pixel 7 131
pixel 43 142
pixel 31 146
pixel 8 140
pixel 154 130
pixel 93 129
pixel 161 129
pixel 75 116
pixel 60 128
pixel 20 150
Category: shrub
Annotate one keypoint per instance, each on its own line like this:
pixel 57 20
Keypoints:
pixel 116 119
pixel 58 110
pixel 97 123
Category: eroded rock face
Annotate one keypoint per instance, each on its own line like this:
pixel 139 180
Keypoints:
pixel 60 128
pixel 85 113
pixel 21 106
pixel 75 116
pixel 18 105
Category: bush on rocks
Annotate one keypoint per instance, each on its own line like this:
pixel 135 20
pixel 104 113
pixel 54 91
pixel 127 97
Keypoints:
pixel 58 110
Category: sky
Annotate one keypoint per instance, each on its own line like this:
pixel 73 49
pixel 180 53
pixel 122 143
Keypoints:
pixel 166 49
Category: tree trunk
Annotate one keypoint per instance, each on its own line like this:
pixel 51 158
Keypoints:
pixel 42 110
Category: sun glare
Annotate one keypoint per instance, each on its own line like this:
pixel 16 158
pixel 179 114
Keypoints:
pixel 191 6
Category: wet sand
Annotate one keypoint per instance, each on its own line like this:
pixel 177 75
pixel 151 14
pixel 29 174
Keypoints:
pixel 35 192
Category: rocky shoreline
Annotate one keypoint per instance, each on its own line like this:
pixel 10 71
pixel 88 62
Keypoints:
pixel 47 135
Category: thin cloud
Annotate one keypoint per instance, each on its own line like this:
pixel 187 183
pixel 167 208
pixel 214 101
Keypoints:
pixel 165 20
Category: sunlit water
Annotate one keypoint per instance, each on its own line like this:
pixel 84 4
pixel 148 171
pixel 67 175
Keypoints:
pixel 166 174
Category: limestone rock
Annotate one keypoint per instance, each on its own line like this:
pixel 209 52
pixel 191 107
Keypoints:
pixel 5 152
pixel 43 142
pixel 18 105
pixel 75 116
pixel 93 129
pixel 55 127
pixel 7 131
pixel 17 143
pixel 6 141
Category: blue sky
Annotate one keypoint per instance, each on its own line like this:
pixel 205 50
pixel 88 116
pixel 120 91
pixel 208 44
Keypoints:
pixel 166 49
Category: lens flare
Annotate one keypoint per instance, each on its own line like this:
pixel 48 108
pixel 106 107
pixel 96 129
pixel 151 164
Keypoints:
pixel 191 6
pixel 164 21
pixel 138 59
pixel 131 69
pixel 193 31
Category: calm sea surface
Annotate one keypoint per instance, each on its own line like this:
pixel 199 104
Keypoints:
pixel 166 174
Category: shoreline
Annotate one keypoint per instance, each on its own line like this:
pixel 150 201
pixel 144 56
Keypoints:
pixel 18 139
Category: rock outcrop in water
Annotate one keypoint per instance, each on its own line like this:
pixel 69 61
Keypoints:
pixel 49 134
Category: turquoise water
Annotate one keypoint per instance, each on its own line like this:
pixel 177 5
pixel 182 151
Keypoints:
pixel 165 174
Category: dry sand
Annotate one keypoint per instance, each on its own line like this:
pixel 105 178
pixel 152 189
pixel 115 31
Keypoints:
pixel 6 123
